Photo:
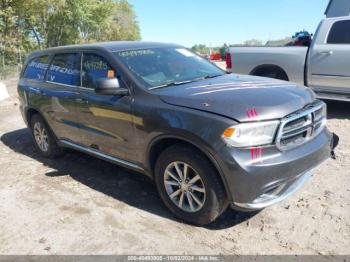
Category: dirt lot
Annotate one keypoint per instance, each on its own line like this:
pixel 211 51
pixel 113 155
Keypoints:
pixel 81 205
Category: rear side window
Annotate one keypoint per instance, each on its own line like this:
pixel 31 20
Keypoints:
pixel 36 68
pixel 65 69
pixel 95 67
pixel 340 33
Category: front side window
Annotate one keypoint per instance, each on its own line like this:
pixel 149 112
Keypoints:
pixel 94 68
pixel 340 33
pixel 36 68
pixel 65 69
pixel 162 66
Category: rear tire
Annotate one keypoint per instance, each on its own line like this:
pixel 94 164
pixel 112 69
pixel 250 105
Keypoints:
pixel 275 73
pixel 202 198
pixel 44 139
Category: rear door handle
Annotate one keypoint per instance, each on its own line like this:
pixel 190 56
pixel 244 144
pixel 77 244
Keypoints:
pixel 325 52
pixel 36 90
pixel 81 101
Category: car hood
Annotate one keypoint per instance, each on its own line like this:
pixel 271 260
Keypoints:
pixel 242 98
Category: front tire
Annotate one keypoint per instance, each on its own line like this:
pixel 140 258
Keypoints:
pixel 189 185
pixel 44 140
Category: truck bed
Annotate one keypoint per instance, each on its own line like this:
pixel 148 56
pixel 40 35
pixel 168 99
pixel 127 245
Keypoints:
pixel 246 60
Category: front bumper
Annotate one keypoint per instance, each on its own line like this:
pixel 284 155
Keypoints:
pixel 275 195
pixel 257 178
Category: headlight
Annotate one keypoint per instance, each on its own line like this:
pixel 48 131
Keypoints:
pixel 251 134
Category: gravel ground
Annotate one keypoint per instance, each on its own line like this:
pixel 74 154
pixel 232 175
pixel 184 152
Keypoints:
pixel 80 205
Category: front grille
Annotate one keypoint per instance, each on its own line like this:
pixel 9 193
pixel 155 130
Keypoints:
pixel 301 126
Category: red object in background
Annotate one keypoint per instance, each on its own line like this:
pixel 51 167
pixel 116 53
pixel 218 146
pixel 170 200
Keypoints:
pixel 228 61
pixel 215 56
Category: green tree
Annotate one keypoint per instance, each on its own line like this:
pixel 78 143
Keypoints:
pixel 279 42
pixel 78 21
pixel 10 34
pixel 253 42
pixel 121 24
pixel 30 24
pixel 200 48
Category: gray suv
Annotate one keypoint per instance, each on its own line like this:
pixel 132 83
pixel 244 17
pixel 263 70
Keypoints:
pixel 209 139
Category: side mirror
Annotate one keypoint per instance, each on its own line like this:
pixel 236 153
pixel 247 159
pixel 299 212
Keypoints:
pixel 110 86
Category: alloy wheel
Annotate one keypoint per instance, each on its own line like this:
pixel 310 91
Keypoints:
pixel 41 136
pixel 184 186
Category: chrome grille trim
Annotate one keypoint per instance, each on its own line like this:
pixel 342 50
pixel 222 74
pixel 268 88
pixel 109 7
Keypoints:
pixel 313 123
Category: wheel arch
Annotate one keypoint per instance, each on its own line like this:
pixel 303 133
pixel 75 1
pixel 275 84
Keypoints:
pixel 269 68
pixel 30 112
pixel 159 144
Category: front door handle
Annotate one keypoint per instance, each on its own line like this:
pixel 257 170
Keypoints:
pixel 81 101
pixel 325 52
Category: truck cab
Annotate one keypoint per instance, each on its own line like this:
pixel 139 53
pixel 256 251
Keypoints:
pixel 328 60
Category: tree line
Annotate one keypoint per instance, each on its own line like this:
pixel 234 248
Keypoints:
pixel 26 25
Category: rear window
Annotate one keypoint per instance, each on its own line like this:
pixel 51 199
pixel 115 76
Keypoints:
pixel 36 68
pixel 65 69
pixel 340 33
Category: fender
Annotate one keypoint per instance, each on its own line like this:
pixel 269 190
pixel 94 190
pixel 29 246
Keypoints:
pixel 196 143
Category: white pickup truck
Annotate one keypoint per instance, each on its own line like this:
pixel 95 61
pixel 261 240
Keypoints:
pixel 324 66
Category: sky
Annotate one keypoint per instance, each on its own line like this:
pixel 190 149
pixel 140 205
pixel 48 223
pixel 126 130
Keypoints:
pixel 215 22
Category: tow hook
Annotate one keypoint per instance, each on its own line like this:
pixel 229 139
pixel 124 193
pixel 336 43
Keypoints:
pixel 334 144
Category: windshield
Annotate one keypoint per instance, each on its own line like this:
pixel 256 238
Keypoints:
pixel 158 67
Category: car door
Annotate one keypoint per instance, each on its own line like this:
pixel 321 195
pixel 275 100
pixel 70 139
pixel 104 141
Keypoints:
pixel 62 80
pixel 330 60
pixel 105 120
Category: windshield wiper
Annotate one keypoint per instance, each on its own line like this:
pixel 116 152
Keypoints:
pixel 173 83
pixel 176 83
pixel 211 76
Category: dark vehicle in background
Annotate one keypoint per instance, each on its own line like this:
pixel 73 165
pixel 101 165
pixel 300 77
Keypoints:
pixel 207 138
pixel 302 38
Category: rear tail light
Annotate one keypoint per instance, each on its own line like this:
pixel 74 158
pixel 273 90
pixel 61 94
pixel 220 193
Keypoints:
pixel 228 61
